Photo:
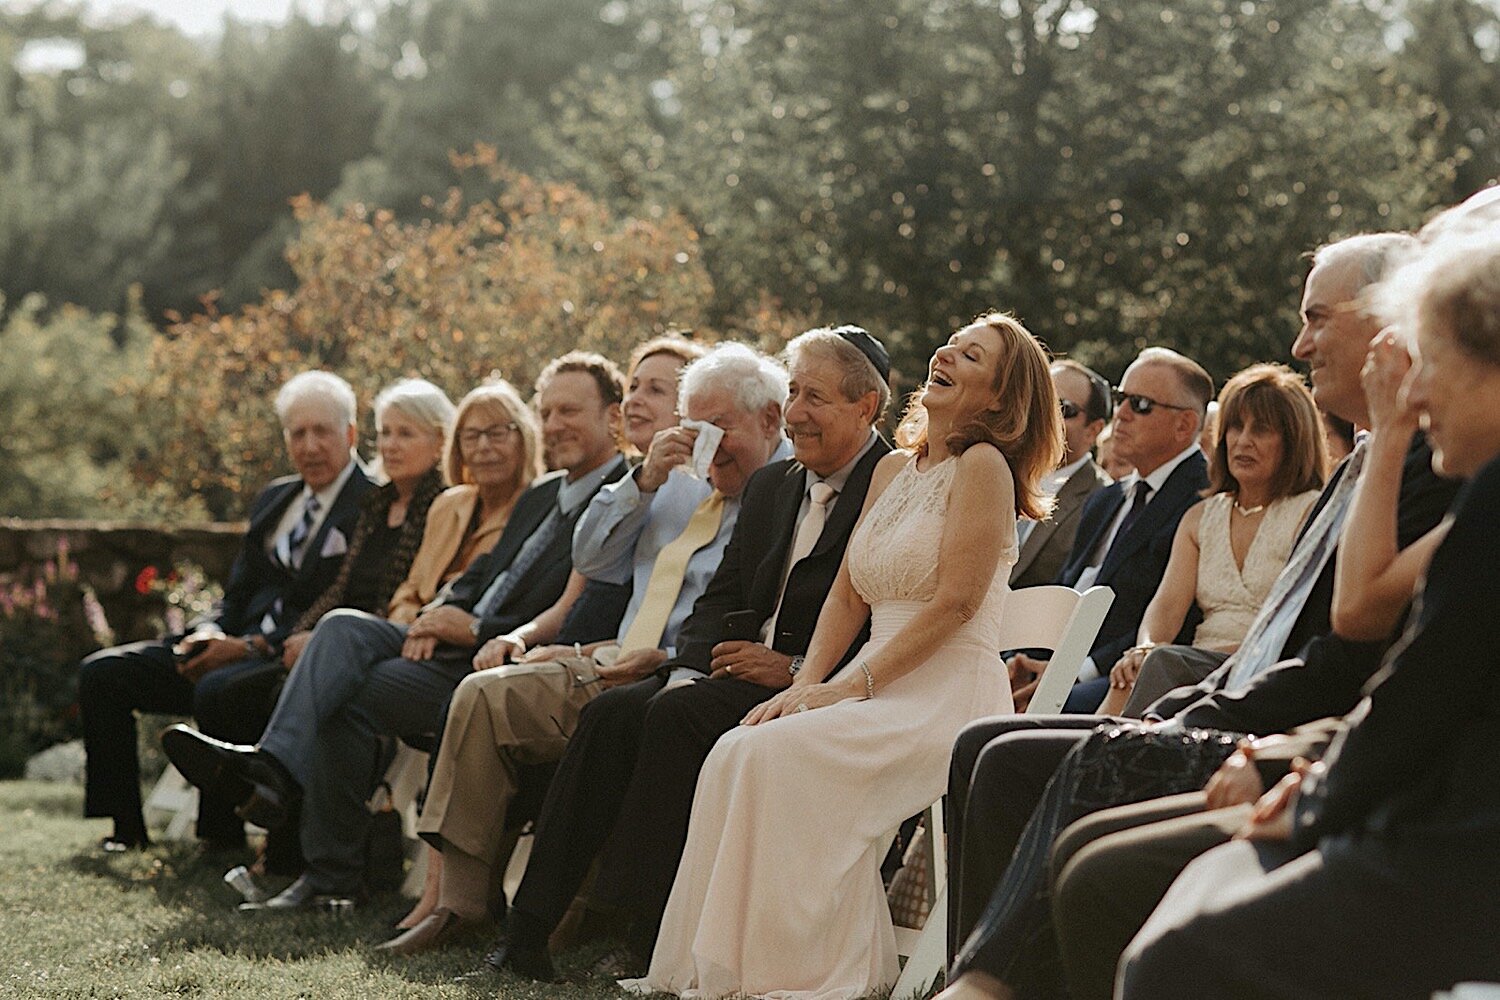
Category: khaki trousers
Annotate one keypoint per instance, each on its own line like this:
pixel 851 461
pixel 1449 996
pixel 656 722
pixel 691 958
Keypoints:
pixel 502 718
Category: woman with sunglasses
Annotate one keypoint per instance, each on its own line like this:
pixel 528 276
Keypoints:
pixel 1266 471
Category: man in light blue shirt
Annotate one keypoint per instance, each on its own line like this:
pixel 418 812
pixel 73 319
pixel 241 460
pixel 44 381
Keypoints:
pixel 663 529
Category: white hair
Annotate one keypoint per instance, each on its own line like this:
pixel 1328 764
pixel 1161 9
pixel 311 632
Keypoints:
pixel 1455 281
pixel 1375 254
pixel 324 388
pixel 418 399
pixel 753 379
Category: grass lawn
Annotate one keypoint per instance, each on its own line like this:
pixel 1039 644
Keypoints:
pixel 78 923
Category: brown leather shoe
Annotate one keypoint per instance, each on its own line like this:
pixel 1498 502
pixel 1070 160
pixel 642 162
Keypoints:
pixel 439 928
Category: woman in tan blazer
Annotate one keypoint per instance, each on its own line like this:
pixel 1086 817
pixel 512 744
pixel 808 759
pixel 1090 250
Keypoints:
pixel 493 455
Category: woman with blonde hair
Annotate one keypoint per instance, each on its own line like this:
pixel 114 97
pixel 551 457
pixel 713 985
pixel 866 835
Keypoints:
pixel 491 458
pixel 779 886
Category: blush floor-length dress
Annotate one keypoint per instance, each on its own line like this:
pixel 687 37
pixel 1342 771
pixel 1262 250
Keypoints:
pixel 779 892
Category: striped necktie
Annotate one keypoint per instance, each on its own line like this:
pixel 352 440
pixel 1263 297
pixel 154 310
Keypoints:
pixel 289 546
pixel 531 550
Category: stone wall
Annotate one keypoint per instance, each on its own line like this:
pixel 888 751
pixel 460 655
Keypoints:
pixel 110 554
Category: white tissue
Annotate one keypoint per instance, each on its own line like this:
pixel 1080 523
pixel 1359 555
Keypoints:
pixel 704 447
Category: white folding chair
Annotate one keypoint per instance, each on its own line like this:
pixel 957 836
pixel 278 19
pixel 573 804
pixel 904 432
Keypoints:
pixel 172 802
pixel 1055 618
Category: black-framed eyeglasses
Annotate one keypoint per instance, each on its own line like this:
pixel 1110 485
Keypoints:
pixel 1069 408
pixel 1143 404
pixel 499 434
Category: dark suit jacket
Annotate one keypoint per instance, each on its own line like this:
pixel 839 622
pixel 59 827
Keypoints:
pixel 1417 755
pixel 1050 543
pixel 545 579
pixel 749 575
pixel 256 582
pixel 1322 674
pixel 1135 563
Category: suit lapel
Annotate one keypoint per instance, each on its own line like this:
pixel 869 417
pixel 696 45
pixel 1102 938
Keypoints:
pixel 347 497
pixel 526 521
pixel 265 519
pixel 1112 497
pixel 1159 509
pixel 846 508
pixel 1073 493
pixel 783 519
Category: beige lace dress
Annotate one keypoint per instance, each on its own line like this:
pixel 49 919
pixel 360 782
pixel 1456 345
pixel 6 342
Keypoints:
pixel 779 891
pixel 1230 596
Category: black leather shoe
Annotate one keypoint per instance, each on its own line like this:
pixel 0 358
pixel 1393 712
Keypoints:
pixel 212 765
pixel 240 773
pixel 529 963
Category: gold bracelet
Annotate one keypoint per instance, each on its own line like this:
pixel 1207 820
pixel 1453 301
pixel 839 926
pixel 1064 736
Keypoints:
pixel 869 681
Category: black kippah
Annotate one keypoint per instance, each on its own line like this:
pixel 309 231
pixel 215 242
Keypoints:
pixel 869 347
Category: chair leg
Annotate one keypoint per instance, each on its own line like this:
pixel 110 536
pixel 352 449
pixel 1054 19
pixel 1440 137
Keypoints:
pixel 926 961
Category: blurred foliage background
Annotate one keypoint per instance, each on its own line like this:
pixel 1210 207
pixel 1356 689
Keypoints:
pixel 449 187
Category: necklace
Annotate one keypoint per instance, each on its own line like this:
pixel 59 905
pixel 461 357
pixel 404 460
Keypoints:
pixel 1249 511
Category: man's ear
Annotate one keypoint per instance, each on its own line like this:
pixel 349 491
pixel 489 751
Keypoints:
pixel 770 420
pixel 351 435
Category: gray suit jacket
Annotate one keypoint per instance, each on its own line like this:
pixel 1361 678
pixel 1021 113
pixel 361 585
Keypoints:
pixel 1050 542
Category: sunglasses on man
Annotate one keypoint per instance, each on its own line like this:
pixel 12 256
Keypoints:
pixel 1143 404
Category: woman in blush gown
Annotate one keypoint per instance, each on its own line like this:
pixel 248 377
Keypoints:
pixel 779 891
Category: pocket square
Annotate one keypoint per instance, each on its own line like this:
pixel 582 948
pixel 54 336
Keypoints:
pixel 334 544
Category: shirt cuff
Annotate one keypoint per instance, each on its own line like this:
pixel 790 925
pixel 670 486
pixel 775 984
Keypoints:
pixel 1088 671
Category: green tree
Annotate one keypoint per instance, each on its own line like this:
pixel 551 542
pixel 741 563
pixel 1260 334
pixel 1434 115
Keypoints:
pixel 462 72
pixel 71 428
pixel 1118 175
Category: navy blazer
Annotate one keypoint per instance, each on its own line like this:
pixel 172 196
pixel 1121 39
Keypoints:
pixel 749 574
pixel 1135 563
pixel 547 576
pixel 256 581
pixel 1416 757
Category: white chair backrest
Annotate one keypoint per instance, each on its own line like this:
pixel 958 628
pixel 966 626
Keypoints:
pixel 1062 620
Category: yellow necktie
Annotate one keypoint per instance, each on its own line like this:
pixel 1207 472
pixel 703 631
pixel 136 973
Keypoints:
pixel 667 575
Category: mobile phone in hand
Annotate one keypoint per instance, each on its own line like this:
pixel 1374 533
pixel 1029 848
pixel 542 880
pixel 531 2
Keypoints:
pixel 743 625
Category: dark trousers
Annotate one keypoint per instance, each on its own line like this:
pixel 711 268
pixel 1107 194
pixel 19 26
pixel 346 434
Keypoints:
pixel 236 708
pixel 999 770
pixel 1111 869
pixel 1357 917
pixel 631 768
pixel 114 684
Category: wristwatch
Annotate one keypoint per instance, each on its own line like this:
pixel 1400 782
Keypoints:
pixel 795 665
pixel 474 628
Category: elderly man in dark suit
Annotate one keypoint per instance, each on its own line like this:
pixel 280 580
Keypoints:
pixel 1086 408
pixel 296 540
pixel 629 772
pixel 361 678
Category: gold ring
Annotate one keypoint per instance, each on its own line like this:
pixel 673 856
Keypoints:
pixel 802 706
pixel 729 671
